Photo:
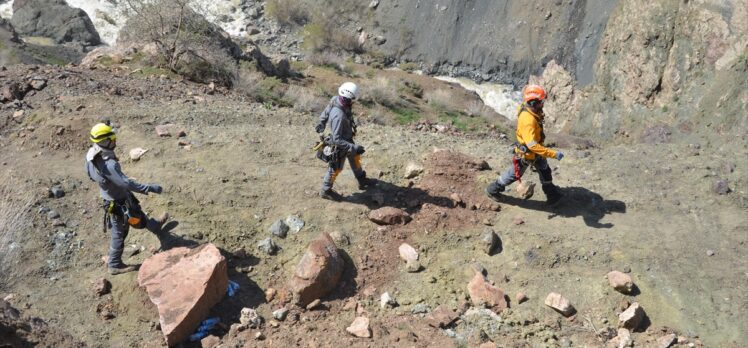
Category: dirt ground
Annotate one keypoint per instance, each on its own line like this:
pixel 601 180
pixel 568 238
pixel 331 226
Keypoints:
pixel 627 205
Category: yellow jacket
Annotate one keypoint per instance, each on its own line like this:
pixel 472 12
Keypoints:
pixel 530 133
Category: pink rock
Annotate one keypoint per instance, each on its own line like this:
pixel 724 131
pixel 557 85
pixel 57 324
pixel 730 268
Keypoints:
pixel 389 216
pixel 184 284
pixel 520 297
pixel 210 341
pixel 102 287
pixel 526 191
pixel 360 327
pixel 164 130
pixel 631 317
pixel 318 271
pixel 559 303
pixel 483 293
pixel 620 281
pixel 666 341
pixel 441 317
pixel 408 253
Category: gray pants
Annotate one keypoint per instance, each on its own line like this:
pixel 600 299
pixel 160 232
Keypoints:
pixel 120 229
pixel 334 169
pixel 508 176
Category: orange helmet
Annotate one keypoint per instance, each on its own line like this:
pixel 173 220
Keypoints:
pixel 533 92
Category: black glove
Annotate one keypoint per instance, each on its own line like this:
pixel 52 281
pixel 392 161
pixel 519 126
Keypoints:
pixel 320 128
pixel 157 189
pixel 358 149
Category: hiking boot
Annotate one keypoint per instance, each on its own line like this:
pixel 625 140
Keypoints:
pixel 121 270
pixel 366 183
pixel 552 194
pixel 330 195
pixel 494 191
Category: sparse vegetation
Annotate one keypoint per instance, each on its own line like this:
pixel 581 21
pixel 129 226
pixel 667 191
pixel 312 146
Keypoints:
pixel 14 217
pixel 406 116
pixel 304 99
pixel 409 66
pixel 286 12
pixel 383 91
pixel 440 100
pixel 262 89
pixel 323 33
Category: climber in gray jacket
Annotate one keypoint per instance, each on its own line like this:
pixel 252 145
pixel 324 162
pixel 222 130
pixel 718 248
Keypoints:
pixel 121 208
pixel 343 128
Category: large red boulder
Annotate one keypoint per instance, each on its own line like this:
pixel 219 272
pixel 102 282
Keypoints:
pixel 389 216
pixel 184 284
pixel 482 293
pixel 318 272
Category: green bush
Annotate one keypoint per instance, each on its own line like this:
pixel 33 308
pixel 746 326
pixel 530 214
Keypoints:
pixel 406 116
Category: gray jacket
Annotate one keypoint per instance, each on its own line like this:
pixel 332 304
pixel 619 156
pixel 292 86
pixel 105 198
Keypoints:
pixel 341 124
pixel 103 167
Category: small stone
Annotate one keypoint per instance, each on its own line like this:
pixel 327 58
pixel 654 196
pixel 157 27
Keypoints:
pixel 102 287
pixel 621 282
pixel 270 294
pixel 56 192
pixel 518 220
pixel 53 214
pixel 412 170
pixel 386 301
pixel 408 253
pixel 420 308
pixel 279 229
pixel 18 114
pixel 137 153
pixel 520 297
pixel 631 317
pixel 280 314
pixel 267 246
pixel 295 223
pixel 58 223
pixel 184 143
pixel 441 317
pixel 274 323
pixel 624 304
pixel 626 269
pixel 360 328
pixel 482 293
pixel 210 341
pixel 389 216
pixel 38 83
pixel 373 4
pixel 413 266
pixel 526 191
pixel 721 187
pixel 259 336
pixel 456 200
pixel 249 317
pixel 559 303
pixel 666 341
pixel 340 238
pixel 623 339
pixel 710 253
pixel 314 304
pixel 164 130
pixel 489 241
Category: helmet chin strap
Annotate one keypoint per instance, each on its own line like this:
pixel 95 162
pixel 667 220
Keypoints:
pixel 108 144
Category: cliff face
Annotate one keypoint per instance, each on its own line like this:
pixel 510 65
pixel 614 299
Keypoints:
pixel 494 40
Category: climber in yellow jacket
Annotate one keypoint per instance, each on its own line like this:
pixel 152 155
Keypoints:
pixel 529 149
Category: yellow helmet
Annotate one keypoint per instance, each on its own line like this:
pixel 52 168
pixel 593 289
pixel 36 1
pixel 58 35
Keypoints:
pixel 102 131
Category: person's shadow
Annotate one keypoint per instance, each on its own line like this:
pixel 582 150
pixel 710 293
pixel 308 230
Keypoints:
pixel 576 201
pixel 386 194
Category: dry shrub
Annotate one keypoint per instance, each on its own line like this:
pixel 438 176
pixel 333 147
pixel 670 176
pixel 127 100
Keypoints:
pixel 440 99
pixel 383 91
pixel 304 99
pixel 287 12
pixel 323 33
pixel 325 58
pixel 260 88
pixel 14 218
pixel 476 108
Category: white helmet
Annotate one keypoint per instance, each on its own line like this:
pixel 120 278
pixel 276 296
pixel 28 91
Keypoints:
pixel 348 90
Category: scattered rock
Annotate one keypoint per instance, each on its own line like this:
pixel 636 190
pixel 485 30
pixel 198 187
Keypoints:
pixel 408 253
pixel 56 192
pixel 280 314
pixel 441 317
pixel 53 214
pixel 721 187
pixel 259 336
pixel 318 271
pixel 267 246
pixel 412 170
pixel 164 130
pixel 314 304
pixel 622 340
pixel 10 92
pixel 340 238
pixel 710 252
pixel 380 40
pixel 666 341
pixel 413 266
pixel 137 153
pixel 489 241
pixel 360 328
pixel 279 229
pixel 631 317
pixel 483 293
pixel 389 216
pixel 18 114
pixel 621 282
pixel 420 308
pixel 559 303
pixel 184 284
pixel 249 317
pixel 386 301
pixel 58 223
pixel 520 297
pixel 456 200
pixel 210 341
pixel 38 83
pixel 270 294
pixel 518 220
pixel 102 287
pixel 373 4
pixel 526 190
pixel 295 223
